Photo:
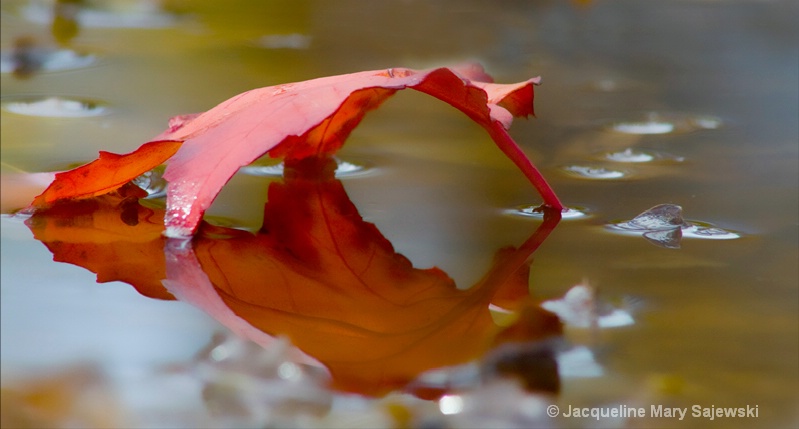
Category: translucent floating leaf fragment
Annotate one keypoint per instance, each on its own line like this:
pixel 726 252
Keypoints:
pixel 663 225
pixel 668 238
pixel 659 217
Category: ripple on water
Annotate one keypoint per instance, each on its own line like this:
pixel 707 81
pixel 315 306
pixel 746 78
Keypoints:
pixel 573 212
pixel 631 155
pixel 54 106
pixel 343 169
pixel 664 123
pixel 595 172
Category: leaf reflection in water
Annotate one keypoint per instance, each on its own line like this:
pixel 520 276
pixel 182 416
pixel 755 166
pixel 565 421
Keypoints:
pixel 316 273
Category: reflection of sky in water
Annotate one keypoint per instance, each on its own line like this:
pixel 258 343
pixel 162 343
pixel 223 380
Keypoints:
pixel 135 331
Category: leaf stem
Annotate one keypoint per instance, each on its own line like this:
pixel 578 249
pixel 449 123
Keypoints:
pixel 514 152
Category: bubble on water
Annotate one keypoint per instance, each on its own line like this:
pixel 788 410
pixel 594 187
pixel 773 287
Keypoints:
pixel 343 169
pixel 594 172
pixel 55 107
pixel 664 123
pixel 536 212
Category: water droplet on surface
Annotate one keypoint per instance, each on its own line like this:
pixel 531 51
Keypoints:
pixel 534 212
pixel 343 169
pixel 664 123
pixel 631 155
pixel 648 127
pixel 628 155
pixel 55 107
pixel 594 172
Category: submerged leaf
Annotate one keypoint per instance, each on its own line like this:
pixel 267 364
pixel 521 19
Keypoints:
pixel 316 273
pixel 296 121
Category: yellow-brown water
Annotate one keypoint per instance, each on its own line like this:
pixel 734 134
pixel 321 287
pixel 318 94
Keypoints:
pixel 716 320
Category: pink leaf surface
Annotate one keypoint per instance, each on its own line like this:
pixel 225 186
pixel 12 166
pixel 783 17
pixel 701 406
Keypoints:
pixel 313 118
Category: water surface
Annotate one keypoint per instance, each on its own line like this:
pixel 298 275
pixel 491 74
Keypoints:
pixel 707 90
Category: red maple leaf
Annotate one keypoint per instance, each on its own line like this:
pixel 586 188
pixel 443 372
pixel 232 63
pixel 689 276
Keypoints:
pixel 292 121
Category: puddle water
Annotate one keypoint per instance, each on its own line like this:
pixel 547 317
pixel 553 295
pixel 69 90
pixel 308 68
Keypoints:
pixel 314 303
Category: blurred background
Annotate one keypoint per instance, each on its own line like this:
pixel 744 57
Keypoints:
pixel 685 102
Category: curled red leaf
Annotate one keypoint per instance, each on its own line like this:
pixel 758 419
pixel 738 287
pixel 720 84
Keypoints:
pixel 299 120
